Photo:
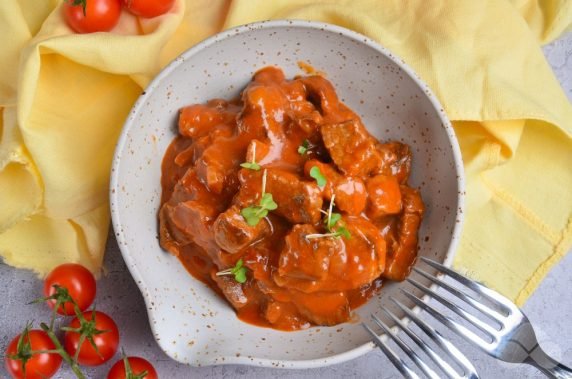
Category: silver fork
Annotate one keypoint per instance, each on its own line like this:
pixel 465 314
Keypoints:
pixel 454 354
pixel 514 341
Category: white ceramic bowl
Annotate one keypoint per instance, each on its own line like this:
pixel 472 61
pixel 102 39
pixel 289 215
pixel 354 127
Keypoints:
pixel 189 321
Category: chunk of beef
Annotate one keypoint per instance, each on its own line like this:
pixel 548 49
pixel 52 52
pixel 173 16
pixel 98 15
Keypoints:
pixel 325 308
pixel 257 151
pixel 302 113
pixel 298 201
pixel 173 235
pixel 233 234
pixel 200 144
pixel 217 166
pixel 384 196
pixel 351 196
pixel 167 240
pixel 351 147
pixel 305 117
pixel 321 93
pixel 306 259
pixel 331 263
pixel 191 221
pixel 250 187
pixel 395 160
pixel 189 187
pixel 284 315
pixel 366 253
pixel 231 289
pixel 404 251
pixel 264 110
pixel 198 120
pixel 171 174
pixel 269 75
pixel 213 174
pixel 274 155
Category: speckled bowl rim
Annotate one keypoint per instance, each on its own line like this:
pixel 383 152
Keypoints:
pixel 188 54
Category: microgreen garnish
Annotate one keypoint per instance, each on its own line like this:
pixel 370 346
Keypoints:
pixel 304 147
pixel 252 165
pixel 330 222
pixel 317 174
pixel 253 214
pixel 239 272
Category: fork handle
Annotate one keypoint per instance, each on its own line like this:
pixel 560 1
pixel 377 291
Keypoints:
pixel 549 367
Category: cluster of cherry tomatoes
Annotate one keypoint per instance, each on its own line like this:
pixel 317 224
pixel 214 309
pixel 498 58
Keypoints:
pixel 89 16
pixel 90 339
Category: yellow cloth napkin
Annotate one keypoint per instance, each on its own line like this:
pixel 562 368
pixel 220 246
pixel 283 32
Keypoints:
pixel 64 97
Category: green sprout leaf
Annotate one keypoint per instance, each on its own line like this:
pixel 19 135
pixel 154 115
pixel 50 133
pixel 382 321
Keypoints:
pixel 267 202
pixel 238 271
pixel 240 276
pixel 317 174
pixel 237 266
pixel 333 225
pixel 253 214
pixel 334 218
pixel 251 165
pixel 304 147
pixel 250 213
pixel 342 231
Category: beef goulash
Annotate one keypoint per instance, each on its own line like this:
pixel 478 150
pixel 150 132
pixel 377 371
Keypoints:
pixel 284 204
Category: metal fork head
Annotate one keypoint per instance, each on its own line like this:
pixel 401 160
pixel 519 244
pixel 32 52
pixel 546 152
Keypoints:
pixel 468 371
pixel 514 339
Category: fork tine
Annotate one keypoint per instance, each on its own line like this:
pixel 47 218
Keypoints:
pixel 492 314
pixel 422 365
pixel 460 329
pixel 491 295
pixel 446 367
pixel 484 327
pixel 451 350
pixel 397 362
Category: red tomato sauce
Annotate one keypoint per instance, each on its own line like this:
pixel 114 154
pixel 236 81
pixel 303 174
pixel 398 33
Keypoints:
pixel 306 260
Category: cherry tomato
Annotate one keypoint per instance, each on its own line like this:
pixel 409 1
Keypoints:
pixel 148 8
pixel 100 15
pixel 138 365
pixel 38 366
pixel 79 283
pixel 106 342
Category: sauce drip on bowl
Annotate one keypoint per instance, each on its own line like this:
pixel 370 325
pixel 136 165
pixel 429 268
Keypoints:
pixel 286 186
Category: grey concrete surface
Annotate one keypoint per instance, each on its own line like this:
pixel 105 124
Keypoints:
pixel 549 309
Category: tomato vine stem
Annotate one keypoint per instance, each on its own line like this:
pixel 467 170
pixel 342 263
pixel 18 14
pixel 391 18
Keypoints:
pixel 61 351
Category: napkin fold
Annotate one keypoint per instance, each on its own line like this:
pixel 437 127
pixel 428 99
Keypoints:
pixel 64 98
